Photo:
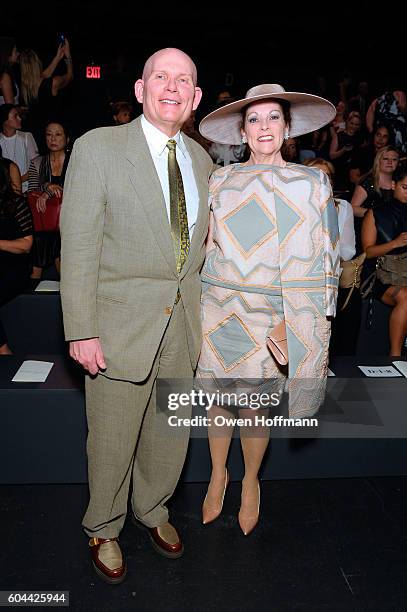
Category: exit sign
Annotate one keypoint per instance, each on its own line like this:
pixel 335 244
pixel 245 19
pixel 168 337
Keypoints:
pixel 93 72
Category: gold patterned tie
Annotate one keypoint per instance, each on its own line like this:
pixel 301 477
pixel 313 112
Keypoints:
pixel 178 209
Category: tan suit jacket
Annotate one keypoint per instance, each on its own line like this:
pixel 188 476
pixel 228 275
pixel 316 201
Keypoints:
pixel 118 277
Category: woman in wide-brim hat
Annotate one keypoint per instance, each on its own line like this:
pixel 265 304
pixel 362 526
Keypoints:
pixel 272 256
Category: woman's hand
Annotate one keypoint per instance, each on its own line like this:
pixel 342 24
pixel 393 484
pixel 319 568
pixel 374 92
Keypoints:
pixel 56 190
pixel 400 241
pixel 66 49
pixel 60 54
pixel 42 202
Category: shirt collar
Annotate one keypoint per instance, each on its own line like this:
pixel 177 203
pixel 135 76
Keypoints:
pixel 157 140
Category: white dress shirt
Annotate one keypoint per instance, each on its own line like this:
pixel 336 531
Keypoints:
pixel 157 143
pixel 347 248
pixel 21 149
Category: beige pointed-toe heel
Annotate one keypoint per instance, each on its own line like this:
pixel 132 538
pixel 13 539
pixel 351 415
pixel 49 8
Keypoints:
pixel 248 522
pixel 210 512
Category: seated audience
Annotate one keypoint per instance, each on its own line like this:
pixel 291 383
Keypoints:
pixel 190 130
pixel 343 145
pixel 384 236
pixel 47 175
pixel 20 147
pixel 375 189
pixel 345 326
pixel 290 151
pixel 15 176
pixel 390 109
pixel 15 244
pixel 362 160
pixel 121 112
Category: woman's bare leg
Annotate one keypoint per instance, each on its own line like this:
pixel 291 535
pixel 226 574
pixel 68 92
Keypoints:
pixel 397 297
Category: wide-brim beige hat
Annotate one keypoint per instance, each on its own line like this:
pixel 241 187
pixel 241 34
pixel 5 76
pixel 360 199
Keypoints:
pixel 308 113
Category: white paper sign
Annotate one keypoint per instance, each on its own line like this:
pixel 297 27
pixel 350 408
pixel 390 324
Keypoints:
pixel 33 371
pixel 47 285
pixel 402 366
pixel 379 371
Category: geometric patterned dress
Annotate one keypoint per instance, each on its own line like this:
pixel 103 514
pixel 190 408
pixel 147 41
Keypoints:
pixel 272 253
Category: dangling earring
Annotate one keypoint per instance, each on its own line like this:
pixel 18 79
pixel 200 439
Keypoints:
pixel 244 140
pixel 286 135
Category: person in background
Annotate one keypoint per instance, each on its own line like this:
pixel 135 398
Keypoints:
pixel 390 109
pixel 224 154
pixel 20 147
pixel 9 91
pixel 41 88
pixel 346 324
pixel 374 189
pixel 384 232
pixel 190 130
pixel 362 159
pixel 47 174
pixel 289 151
pixel 121 112
pixel 15 175
pixel 338 122
pixel 16 238
pixel 344 143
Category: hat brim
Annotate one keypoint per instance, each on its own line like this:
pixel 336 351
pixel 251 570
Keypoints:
pixel 308 113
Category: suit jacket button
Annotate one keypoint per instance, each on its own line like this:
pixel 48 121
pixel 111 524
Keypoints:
pixel 168 310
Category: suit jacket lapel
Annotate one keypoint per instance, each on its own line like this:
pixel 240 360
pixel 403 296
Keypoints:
pixel 146 183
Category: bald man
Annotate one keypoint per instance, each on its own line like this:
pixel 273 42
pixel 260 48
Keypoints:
pixel 131 310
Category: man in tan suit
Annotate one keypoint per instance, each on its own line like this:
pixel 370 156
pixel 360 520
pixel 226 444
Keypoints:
pixel 130 291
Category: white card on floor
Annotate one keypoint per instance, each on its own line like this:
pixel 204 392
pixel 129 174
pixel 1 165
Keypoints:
pixel 47 285
pixel 379 371
pixel 402 366
pixel 33 371
pixel 330 373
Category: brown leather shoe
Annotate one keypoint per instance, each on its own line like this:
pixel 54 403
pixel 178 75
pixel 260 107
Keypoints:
pixel 108 560
pixel 166 540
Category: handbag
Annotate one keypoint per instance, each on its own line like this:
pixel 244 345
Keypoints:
pixel 351 275
pixel 392 269
pixel 277 343
pixel 49 220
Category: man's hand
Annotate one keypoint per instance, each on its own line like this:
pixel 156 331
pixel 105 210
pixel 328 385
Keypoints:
pixel 89 354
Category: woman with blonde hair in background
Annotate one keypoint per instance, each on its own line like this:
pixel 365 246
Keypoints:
pixel 384 236
pixel 40 87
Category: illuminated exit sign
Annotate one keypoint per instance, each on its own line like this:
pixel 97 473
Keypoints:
pixel 93 72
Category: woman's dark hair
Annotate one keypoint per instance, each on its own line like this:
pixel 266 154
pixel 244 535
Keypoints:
pixel 400 172
pixel 285 107
pixel 7 45
pixel 8 198
pixel 123 105
pixel 58 122
pixel 378 127
pixel 4 113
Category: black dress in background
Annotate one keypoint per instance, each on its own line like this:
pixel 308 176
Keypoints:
pixel 14 269
pixel 391 221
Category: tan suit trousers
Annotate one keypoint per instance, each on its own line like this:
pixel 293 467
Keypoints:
pixel 125 445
